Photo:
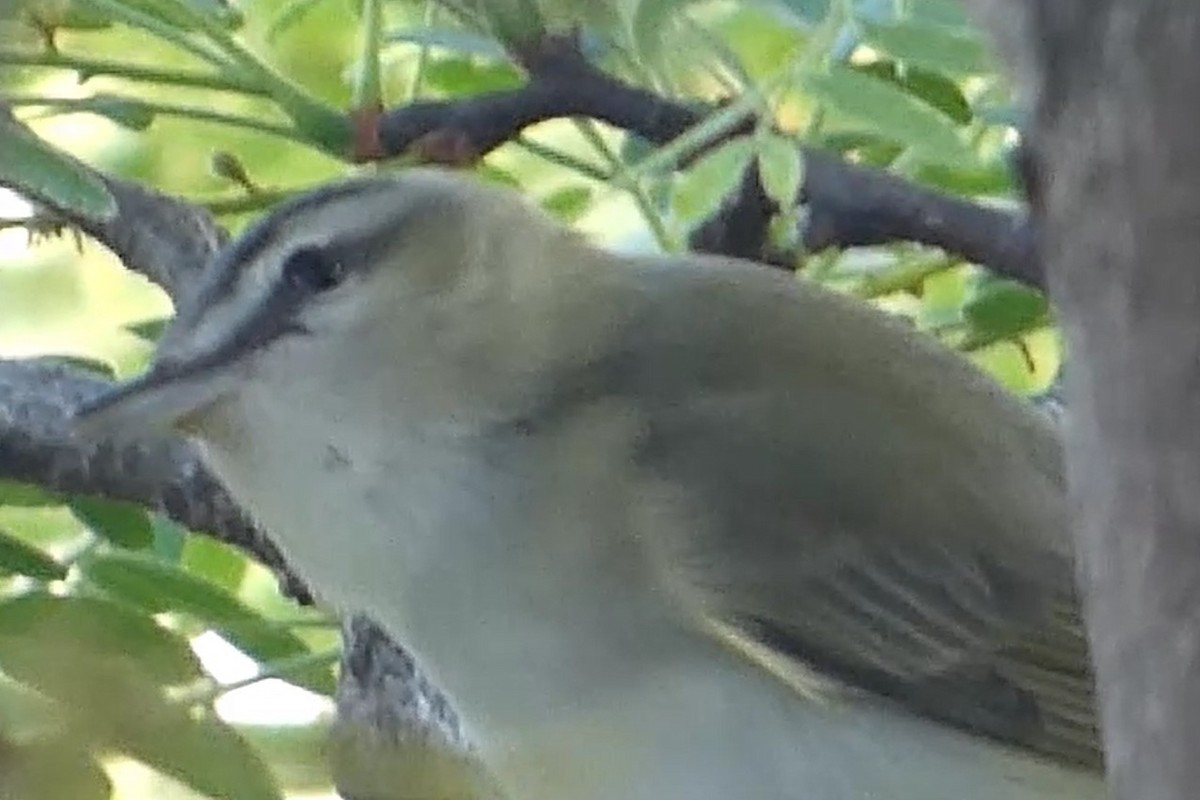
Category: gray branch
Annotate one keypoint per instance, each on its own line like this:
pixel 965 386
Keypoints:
pixel 162 237
pixel 159 472
pixel 393 728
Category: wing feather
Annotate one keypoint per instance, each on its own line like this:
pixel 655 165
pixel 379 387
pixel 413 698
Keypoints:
pixel 865 502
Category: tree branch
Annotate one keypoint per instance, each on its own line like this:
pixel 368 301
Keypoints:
pixel 846 205
pixel 378 753
pixel 159 472
pixel 164 238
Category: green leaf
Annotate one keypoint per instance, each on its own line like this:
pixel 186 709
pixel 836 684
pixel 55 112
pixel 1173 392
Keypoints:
pixel 991 178
pixel 20 557
pixel 205 753
pixel 81 18
pixel 457 41
pixel 939 92
pixel 513 22
pixel 780 169
pixel 36 169
pixel 106 666
pixel 25 715
pixel 461 76
pixel 169 539
pixel 124 524
pixel 1006 115
pixel 936 90
pixel 126 112
pixel 288 17
pixel 810 12
pixel 493 174
pixel 15 493
pixel 223 11
pixel 891 112
pixel 149 329
pixel 699 190
pixel 51 770
pixel 865 148
pixel 159 587
pixel 186 15
pixel 635 149
pixel 95 366
pixel 943 13
pixel 651 20
pixel 1003 309
pixel 37 629
pixel 51 14
pixel 110 706
pixel 931 47
pixel 215 561
pixel 568 203
pixel 599 19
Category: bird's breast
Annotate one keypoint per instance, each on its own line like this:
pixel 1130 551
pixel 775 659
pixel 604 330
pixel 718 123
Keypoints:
pixel 504 564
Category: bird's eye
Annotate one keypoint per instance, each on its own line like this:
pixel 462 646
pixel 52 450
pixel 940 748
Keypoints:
pixel 313 269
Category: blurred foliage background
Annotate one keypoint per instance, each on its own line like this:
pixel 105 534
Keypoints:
pixel 138 659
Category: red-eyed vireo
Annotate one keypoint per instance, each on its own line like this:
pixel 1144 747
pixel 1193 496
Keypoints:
pixel 663 527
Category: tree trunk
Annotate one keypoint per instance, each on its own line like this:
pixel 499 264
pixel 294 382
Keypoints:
pixel 1114 181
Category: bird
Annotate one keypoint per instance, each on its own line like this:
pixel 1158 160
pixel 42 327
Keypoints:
pixel 661 526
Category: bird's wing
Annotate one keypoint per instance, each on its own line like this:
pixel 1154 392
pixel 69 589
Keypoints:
pixel 872 505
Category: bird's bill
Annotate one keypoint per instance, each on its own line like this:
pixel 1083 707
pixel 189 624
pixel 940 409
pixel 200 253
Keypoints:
pixel 165 397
